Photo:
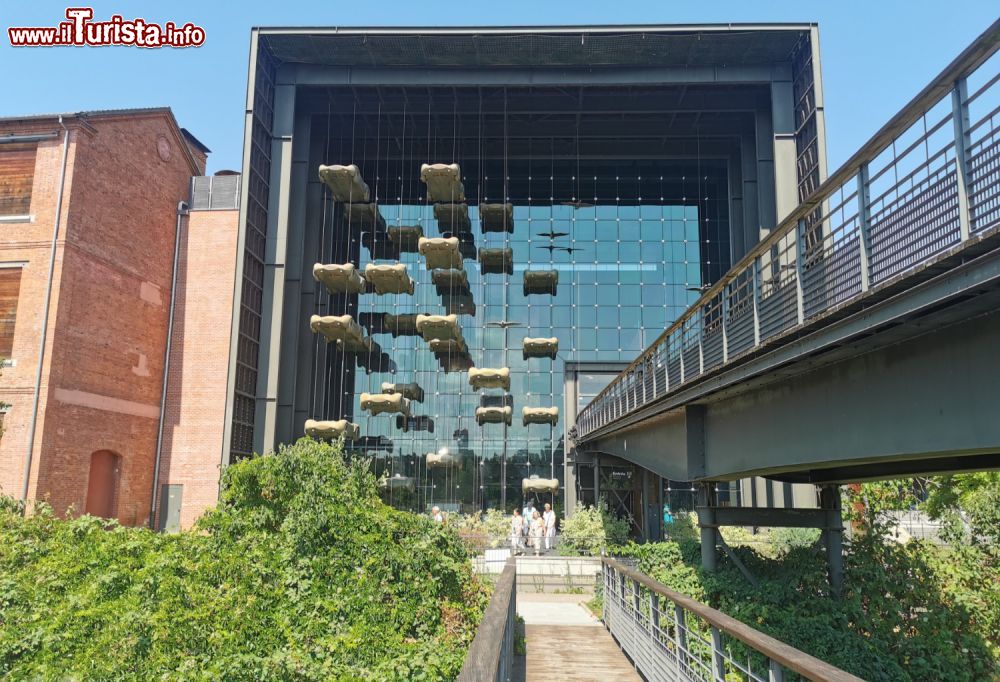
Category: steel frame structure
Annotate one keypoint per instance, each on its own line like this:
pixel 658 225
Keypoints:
pixel 919 199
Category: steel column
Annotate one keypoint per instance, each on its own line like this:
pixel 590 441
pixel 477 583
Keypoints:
pixel 833 536
pixel 800 232
pixel 706 521
pixel 755 280
pixel 960 119
pixel 864 226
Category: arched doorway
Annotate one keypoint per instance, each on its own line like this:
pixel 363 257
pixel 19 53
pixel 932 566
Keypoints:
pixel 102 485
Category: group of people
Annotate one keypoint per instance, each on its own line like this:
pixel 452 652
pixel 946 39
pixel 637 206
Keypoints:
pixel 531 528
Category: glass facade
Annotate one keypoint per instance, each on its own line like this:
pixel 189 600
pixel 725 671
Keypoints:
pixel 632 242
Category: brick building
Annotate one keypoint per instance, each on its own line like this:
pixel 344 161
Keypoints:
pixel 90 207
pixel 194 417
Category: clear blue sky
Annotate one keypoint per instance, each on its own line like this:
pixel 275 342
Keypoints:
pixel 876 54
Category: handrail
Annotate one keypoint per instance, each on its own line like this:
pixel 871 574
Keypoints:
pixel 791 658
pixel 490 656
pixel 981 49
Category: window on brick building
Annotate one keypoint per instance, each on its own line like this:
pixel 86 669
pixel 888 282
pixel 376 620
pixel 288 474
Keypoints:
pixel 10 289
pixel 17 175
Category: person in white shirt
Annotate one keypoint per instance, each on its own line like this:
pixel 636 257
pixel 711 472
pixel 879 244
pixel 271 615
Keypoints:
pixel 527 512
pixel 517 532
pixel 549 517
pixel 436 515
pixel 536 531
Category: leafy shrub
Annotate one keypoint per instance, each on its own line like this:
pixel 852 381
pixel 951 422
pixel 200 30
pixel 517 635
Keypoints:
pixel 479 531
pixel 684 527
pixel 784 540
pixel 592 529
pixel 968 499
pixel 908 612
pixel 300 573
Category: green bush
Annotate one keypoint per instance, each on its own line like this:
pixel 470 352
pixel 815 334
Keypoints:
pixel 300 573
pixel 909 612
pixel 591 530
pixel 482 531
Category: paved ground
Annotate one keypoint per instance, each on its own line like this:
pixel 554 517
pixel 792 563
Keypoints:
pixel 566 642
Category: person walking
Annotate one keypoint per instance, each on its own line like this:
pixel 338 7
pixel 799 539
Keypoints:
pixel 537 531
pixel 549 519
pixel 527 512
pixel 516 532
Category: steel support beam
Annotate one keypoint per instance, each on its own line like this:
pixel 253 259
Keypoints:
pixel 314 75
pixel 275 260
pixel 960 120
pixel 708 523
pixel 786 192
pixel 833 535
pixel 769 517
pixel 947 370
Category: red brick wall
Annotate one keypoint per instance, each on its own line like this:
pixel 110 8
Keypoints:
pixel 29 243
pixel 199 360
pixel 103 375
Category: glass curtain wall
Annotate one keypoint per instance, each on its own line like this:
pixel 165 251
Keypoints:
pixel 632 242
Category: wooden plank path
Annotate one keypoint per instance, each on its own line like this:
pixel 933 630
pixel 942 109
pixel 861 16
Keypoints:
pixel 565 642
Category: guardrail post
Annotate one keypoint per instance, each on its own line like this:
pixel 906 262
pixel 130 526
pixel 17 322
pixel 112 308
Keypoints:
pixel 864 226
pixel 680 354
pixel 680 636
pixel 701 345
pixel 718 655
pixel 775 673
pixel 608 582
pixel 654 615
pixel 755 284
pixel 636 598
pixel 800 252
pixel 960 118
pixel 725 329
pixel 654 365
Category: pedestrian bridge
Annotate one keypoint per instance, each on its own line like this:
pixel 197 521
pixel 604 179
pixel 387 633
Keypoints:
pixel 858 340
pixel 646 631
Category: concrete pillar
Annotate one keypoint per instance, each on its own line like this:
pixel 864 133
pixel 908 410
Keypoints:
pixel 833 536
pixel 569 454
pixel 706 521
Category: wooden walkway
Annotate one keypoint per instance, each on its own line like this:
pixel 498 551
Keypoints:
pixel 565 642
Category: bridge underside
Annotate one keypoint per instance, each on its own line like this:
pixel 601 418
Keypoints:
pixel 907 387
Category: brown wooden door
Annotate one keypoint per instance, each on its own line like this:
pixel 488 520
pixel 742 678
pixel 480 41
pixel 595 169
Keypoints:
pixel 102 486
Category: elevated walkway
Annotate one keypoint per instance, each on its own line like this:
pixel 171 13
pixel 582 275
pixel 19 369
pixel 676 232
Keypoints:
pixel 856 340
pixel 649 633
pixel 565 641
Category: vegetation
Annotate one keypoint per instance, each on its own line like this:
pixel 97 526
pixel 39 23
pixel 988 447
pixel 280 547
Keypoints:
pixel 591 530
pixel 915 611
pixel 301 573
pixel 482 531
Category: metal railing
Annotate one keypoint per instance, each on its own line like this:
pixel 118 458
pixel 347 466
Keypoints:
pixel 926 185
pixel 556 545
pixel 670 636
pixel 491 656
